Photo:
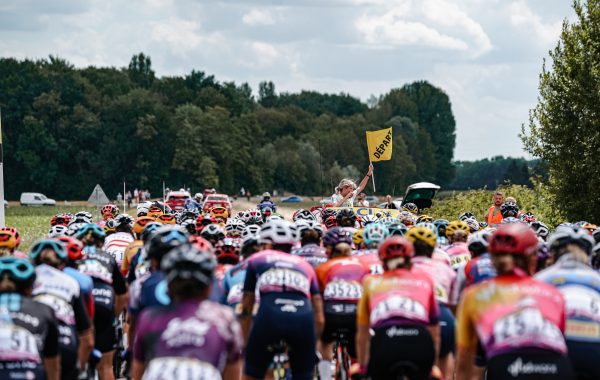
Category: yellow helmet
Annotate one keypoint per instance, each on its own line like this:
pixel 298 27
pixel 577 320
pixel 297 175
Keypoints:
pixel 422 233
pixel 140 224
pixel 167 219
pixel 7 240
pixel 424 219
pixel 357 237
pixel 456 225
pixel 155 212
pixel 219 212
pixel 108 229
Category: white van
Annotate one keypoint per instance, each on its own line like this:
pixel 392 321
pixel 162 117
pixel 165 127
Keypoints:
pixel 36 199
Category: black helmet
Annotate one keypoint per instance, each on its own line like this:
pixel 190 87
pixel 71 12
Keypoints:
pixel 346 217
pixel 186 262
pixel 163 240
pixel 509 209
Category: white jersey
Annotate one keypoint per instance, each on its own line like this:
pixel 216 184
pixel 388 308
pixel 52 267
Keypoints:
pixel 57 290
pixel 116 244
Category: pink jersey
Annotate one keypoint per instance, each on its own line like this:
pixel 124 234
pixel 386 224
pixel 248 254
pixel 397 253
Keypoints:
pixel 459 254
pixel 370 258
pixel 510 314
pixel 441 274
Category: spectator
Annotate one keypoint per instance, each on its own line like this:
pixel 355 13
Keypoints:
pixel 389 203
pixel 361 200
pixel 347 190
pixel 128 198
pixel 493 216
pixel 119 198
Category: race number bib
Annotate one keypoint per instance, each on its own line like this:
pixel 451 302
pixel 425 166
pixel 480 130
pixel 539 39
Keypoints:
pixel 283 279
pixel 118 255
pixel 180 368
pixel 62 309
pixel 458 260
pixel 398 306
pixel 17 343
pixel 235 294
pixel 343 291
pixel 526 324
pixel 440 293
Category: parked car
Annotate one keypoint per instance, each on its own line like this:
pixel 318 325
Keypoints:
pixel 421 194
pixel 176 199
pixel 326 201
pixel 213 200
pixel 5 203
pixel 36 199
pixel 372 199
pixel 291 199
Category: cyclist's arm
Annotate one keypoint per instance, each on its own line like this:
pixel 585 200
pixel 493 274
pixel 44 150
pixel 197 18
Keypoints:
pixel 465 359
pixel 52 367
pixel 84 330
pixel 317 304
pixel 466 339
pixel 246 315
pixel 120 290
pixel 363 344
pixel 233 370
pixel 365 180
pixel 51 357
pixel 137 371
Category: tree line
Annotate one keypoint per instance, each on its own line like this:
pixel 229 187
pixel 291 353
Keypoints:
pixel 66 129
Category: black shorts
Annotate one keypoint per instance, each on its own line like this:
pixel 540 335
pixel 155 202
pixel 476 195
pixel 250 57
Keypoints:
pixel 68 342
pixel 394 345
pixel 529 366
pixel 585 358
pixel 340 318
pixel 287 317
pixel 447 331
pixel 105 333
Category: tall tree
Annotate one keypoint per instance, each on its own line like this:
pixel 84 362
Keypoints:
pixel 563 127
pixel 140 70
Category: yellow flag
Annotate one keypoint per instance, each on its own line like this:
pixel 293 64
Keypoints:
pixel 380 144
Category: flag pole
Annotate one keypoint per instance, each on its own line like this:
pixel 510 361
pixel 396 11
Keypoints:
pixel 372 176
pixel 124 202
pixel 2 221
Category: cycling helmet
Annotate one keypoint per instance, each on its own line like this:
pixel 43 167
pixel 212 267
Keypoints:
pixel 397 229
pixel 90 229
pixel 155 212
pixel 423 234
pixel 201 243
pixel 473 224
pixel 52 244
pixel 186 262
pixel 73 247
pixel 513 239
pixel 7 240
pixel 596 235
pixel 164 239
pixel 395 246
pixel 368 219
pixel 278 232
pixel 213 233
pixel 302 214
pixel 466 215
pixel 335 236
pixel 327 212
pixel 406 218
pixel 203 221
pixel 383 214
pixel 456 225
pixel 15 234
pixel 509 209
pixel 528 217
pixel 589 227
pixel 234 227
pixel 302 226
pixel 410 207
pixel 75 227
pixel 429 225
pixel 58 230
pixel 249 245
pixel 19 270
pixel 62 219
pixel 84 217
pixel 565 235
pixel 253 212
pixel 387 220
pixel 274 217
pixel 109 211
pixel 483 225
pixel 121 220
pixel 254 219
pixel 424 219
pixel 250 230
pixel 189 214
pixel 166 219
pixel 478 241
pixel 140 223
pixel 374 234
pixel 198 197
pixel 345 217
pixel 357 238
pixel 227 251
pixel 219 213
pixel 510 220
pixel 189 225
pixel 143 208
pixel 539 228
pixel 330 222
pixel 440 225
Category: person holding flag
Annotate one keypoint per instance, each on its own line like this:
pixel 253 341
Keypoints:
pixel 346 191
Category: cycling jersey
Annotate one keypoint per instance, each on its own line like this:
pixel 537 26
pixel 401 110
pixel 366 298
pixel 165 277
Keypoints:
pixel 152 292
pixel 233 287
pixel 188 341
pixel 398 297
pixel 511 314
pixel 441 274
pixel 116 244
pixel 370 258
pixel 131 250
pixel 340 279
pixel 28 334
pixel 475 271
pixel 312 253
pixel 264 204
pixel 86 285
pixel 459 254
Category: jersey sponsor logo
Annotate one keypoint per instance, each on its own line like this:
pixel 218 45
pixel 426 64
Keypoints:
pixel 62 309
pixel 235 294
pixel 283 279
pixel 180 368
pixel 398 306
pixel 96 269
pixel 189 332
pixel 518 367
pixel 341 290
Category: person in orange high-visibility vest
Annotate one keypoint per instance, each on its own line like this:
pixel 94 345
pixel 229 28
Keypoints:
pixel 493 216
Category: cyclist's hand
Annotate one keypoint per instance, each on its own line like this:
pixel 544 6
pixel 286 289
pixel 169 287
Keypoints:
pixel 357 372
pixel 436 373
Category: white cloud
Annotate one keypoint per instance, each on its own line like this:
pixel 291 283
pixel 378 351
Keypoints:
pixel 258 17
pixel 265 53
pixel 522 16
pixel 183 36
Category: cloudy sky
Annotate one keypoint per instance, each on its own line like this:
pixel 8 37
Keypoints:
pixel 486 54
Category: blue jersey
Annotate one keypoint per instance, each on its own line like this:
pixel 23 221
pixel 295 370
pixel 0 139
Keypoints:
pixel 233 286
pixel 580 286
pixel 85 282
pixel 154 291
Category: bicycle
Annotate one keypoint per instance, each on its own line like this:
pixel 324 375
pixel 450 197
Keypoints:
pixel 342 359
pixel 280 358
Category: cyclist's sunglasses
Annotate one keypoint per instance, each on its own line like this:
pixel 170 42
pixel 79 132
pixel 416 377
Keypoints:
pixel 90 227
pixel 55 246
pixel 17 268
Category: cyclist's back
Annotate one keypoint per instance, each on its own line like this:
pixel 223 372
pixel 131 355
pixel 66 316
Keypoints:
pixel 116 244
pixel 312 253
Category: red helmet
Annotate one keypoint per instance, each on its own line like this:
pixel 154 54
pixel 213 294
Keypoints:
pixel 201 243
pixel 73 247
pixel 513 239
pixel 203 221
pixel 227 251
pixel 395 246
pixel 330 222
pixel 15 234
pixel 109 211
pixel 62 219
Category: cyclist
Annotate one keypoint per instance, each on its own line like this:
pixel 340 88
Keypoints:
pixel 373 235
pixel 61 292
pixel 400 307
pixel 74 253
pixel 8 243
pixel 266 202
pixel 193 338
pixel 340 281
pixel 310 234
pixel 28 328
pixel 117 243
pixel 518 320
pixel 580 285
pixel 286 284
pixel 346 218
pixel 233 282
pixel 457 233
pixel 132 249
pixel 110 294
pixel 424 241
pixel 109 211
pixel 227 254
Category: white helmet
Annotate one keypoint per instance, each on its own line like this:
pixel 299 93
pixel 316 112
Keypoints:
pixel 250 230
pixel 143 208
pixel 278 232
pixel 58 230
pixel 235 227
